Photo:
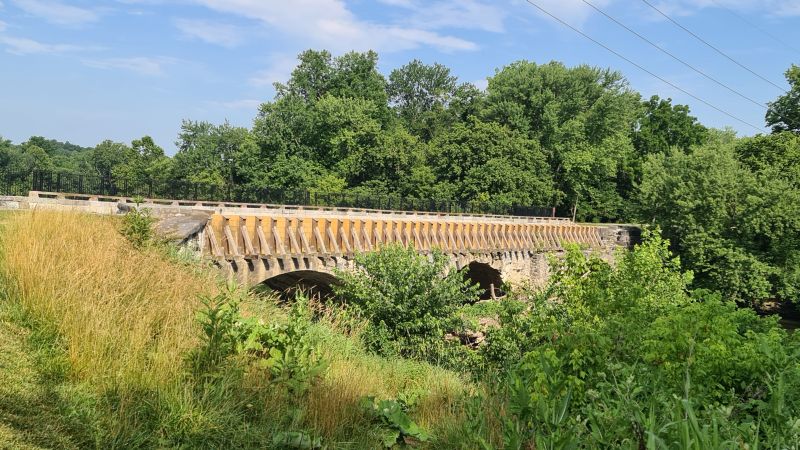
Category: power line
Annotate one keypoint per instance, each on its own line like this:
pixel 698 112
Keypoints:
pixel 709 45
pixel 671 55
pixel 744 19
pixel 640 67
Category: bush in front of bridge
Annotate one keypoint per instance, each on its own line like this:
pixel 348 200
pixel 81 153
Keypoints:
pixel 628 356
pixel 137 225
pixel 410 301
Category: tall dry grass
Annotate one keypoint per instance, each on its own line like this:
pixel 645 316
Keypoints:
pixel 126 317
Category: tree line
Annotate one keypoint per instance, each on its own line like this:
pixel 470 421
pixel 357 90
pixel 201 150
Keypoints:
pixel 539 134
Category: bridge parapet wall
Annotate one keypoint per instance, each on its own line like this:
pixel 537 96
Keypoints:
pixel 106 204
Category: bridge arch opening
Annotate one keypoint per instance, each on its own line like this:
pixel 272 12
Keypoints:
pixel 311 282
pixel 487 277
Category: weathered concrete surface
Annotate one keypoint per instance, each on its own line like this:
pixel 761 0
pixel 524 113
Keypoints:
pixel 624 235
pixel 262 247
pixel 180 227
pixel 174 223
pixel 9 202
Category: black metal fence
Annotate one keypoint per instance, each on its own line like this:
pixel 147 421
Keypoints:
pixel 20 183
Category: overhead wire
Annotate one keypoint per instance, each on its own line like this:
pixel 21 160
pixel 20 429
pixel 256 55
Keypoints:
pixel 711 46
pixel 756 27
pixel 642 68
pixel 676 58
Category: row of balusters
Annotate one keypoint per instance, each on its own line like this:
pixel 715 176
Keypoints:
pixel 254 236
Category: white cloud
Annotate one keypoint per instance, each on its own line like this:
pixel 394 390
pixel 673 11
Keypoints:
pixel 150 66
pixel 212 32
pixel 467 14
pixel 761 7
pixel 402 3
pixel 788 9
pixel 330 24
pixel 57 12
pixel 765 7
pixel 3 25
pixel 397 38
pixel 25 46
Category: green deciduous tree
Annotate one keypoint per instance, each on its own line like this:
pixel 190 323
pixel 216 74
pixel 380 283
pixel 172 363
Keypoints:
pixel 6 152
pixel 213 154
pixel 146 163
pixel 108 156
pixel 662 125
pixel 420 94
pixel 352 75
pixel 581 117
pixel 737 228
pixel 784 113
pixel 486 161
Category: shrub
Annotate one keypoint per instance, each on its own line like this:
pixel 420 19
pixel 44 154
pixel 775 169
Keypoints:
pixel 218 318
pixel 397 427
pixel 410 300
pixel 284 350
pixel 137 226
pixel 525 325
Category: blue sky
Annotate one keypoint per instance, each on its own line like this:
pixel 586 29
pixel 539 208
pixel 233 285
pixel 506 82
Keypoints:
pixel 84 71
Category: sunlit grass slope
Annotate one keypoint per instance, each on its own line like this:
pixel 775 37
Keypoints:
pixel 125 319
pixel 125 316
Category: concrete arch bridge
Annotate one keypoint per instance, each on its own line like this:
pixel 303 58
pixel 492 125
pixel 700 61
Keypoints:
pixel 302 248
pixel 285 246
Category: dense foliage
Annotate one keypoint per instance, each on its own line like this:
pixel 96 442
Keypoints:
pixel 730 209
pixel 409 302
pixel 543 135
pixel 606 356
pixel 784 113
pixel 626 356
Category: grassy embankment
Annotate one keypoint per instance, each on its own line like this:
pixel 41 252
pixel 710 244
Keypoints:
pixel 95 335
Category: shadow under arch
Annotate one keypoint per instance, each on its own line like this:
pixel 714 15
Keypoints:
pixel 487 277
pixel 311 282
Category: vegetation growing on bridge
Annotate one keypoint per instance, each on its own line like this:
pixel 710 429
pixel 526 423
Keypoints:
pixel 623 356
